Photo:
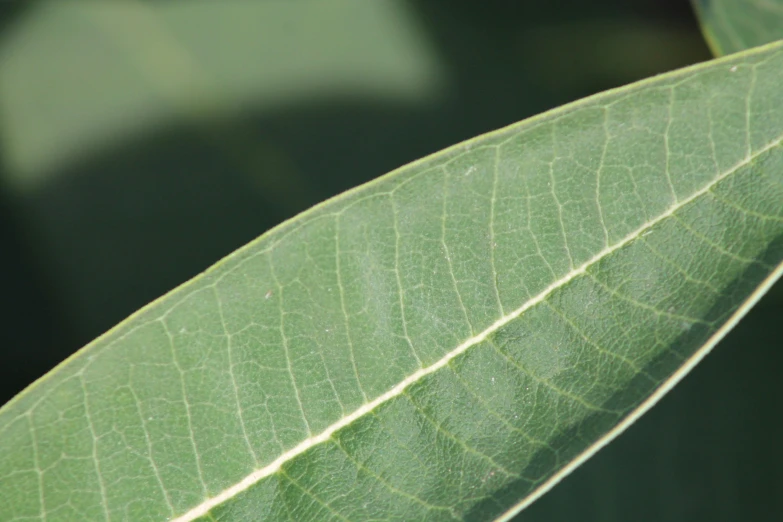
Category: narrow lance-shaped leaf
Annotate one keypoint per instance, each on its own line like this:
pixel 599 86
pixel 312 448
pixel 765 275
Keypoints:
pixel 443 343
pixel 736 25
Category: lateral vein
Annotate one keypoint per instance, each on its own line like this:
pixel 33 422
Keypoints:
pixel 273 467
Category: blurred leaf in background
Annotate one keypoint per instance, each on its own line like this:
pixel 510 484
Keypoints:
pixel 141 144
pixel 735 25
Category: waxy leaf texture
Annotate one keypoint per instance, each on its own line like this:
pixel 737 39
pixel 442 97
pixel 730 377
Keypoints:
pixel 443 343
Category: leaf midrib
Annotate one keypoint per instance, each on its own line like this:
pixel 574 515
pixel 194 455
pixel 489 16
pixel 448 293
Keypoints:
pixel 325 435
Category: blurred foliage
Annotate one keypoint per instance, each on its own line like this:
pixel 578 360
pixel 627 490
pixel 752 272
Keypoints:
pixel 735 25
pixel 143 141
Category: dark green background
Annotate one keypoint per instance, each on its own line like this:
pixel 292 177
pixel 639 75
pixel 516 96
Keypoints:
pixel 114 230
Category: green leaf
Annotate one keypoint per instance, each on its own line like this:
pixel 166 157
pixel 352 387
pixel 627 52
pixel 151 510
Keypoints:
pixel 446 342
pixel 731 26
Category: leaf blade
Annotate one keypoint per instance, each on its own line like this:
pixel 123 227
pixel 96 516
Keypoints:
pixel 254 371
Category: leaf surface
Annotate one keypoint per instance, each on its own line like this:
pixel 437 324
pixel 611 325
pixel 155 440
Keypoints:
pixel 736 25
pixel 443 343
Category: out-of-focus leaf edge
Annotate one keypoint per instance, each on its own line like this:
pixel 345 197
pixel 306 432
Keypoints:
pixel 709 37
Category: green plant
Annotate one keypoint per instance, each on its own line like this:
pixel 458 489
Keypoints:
pixel 445 342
